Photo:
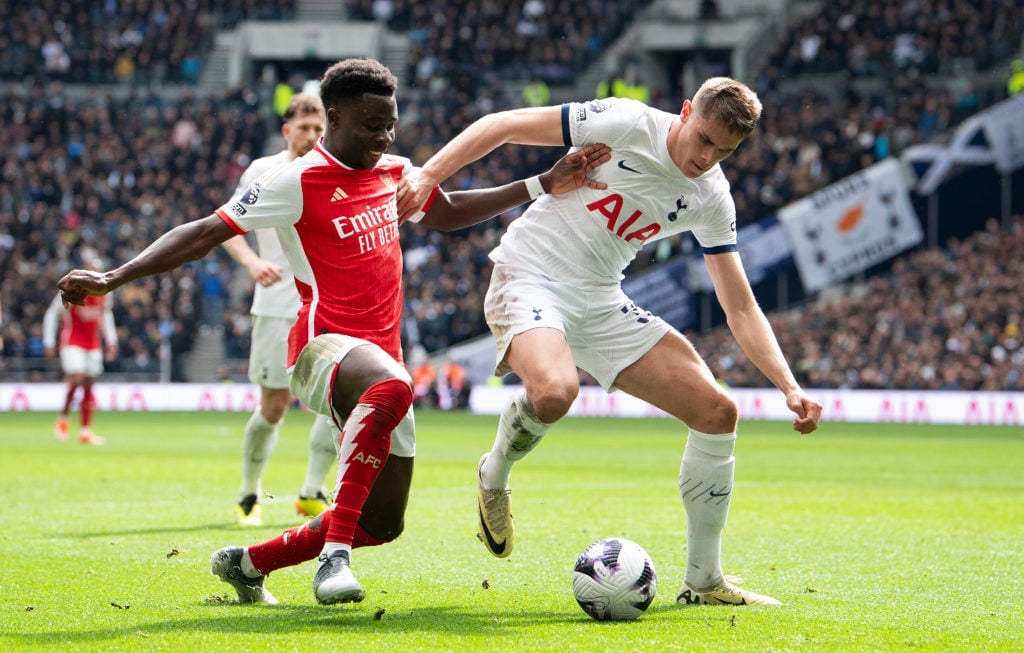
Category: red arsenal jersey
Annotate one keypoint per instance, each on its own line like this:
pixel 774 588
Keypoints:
pixel 339 229
pixel 80 326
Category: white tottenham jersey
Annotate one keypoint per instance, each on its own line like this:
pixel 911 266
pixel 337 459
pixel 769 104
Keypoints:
pixel 280 299
pixel 591 235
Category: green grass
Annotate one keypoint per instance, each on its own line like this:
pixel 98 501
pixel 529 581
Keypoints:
pixel 875 538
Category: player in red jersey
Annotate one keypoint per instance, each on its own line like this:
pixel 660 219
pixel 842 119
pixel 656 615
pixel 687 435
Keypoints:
pixel 83 332
pixel 335 211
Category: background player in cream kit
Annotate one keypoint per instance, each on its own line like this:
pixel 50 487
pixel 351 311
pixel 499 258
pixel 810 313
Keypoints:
pixel 275 304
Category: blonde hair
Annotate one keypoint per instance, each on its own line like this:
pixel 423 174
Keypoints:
pixel 303 104
pixel 730 102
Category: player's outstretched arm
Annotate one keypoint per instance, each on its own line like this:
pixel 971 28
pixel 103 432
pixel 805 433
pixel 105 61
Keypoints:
pixel 460 209
pixel 184 243
pixel 755 336
pixel 529 126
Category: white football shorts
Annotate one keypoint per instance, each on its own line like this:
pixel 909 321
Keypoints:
pixel 75 360
pixel 268 352
pixel 313 378
pixel 605 330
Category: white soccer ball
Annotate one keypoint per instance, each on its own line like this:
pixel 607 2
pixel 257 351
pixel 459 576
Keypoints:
pixel 614 580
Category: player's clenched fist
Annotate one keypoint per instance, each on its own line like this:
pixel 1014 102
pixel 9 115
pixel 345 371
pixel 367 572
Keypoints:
pixel 77 284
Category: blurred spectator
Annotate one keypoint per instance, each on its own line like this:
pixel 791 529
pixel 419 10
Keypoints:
pixel 452 390
pixel 1015 84
pixel 536 93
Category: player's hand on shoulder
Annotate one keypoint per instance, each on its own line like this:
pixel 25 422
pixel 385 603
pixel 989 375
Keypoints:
pixel 570 172
pixel 808 412
pixel 78 284
pixel 412 193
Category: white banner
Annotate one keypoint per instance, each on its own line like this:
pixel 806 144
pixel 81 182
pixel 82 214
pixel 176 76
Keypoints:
pixel 1004 130
pixel 993 136
pixel 897 406
pixel 851 225
pixel 874 406
pixel 135 396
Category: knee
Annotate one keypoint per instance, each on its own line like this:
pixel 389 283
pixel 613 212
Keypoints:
pixel 552 397
pixel 388 532
pixel 719 415
pixel 273 405
pixel 379 528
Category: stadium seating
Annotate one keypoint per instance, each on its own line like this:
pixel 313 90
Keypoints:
pixel 109 42
pixel 109 171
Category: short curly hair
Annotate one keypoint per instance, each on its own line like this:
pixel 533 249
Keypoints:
pixel 350 78
pixel 730 102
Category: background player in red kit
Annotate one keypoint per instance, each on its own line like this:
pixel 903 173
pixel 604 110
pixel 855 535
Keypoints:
pixel 83 332
pixel 335 211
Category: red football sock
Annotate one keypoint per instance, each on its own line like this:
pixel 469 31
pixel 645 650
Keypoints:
pixel 86 406
pixel 302 543
pixel 365 442
pixel 69 398
pixel 291 547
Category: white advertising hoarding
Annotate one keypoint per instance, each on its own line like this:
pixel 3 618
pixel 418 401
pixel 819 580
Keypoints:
pixel 876 406
pixel 896 406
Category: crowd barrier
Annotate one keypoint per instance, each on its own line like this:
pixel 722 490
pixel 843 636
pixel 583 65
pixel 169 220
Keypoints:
pixel 874 406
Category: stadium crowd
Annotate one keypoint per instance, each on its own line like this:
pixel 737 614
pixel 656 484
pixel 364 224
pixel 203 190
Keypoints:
pixel 77 172
pixel 942 319
pixel 104 41
pixel 543 39
pixel 101 176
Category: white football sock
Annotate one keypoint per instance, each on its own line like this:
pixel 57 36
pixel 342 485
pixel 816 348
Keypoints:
pixel 705 483
pixel 257 445
pixel 323 452
pixel 331 547
pixel 519 431
pixel 247 567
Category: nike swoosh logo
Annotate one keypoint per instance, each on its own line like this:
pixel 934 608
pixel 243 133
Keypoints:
pixel 622 164
pixel 719 494
pixel 495 547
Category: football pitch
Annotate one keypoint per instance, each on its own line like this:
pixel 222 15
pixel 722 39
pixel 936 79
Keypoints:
pixel 874 537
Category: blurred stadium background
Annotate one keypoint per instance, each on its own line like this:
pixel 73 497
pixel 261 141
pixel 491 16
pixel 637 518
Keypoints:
pixel 880 203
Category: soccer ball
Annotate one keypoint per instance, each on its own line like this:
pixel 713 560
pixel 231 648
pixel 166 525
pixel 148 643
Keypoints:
pixel 614 580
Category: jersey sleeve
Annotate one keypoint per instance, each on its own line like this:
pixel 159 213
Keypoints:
pixel 248 176
pixel 717 233
pixel 108 329
pixel 599 121
pixel 257 168
pixel 274 199
pixel 50 320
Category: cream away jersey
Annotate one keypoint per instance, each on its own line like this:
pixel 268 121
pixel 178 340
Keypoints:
pixel 591 235
pixel 339 229
pixel 280 299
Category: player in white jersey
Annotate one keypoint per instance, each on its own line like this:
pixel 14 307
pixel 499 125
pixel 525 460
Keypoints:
pixel 275 304
pixel 555 299
pixel 335 211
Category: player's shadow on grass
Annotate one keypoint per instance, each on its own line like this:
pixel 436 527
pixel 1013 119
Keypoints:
pixel 368 619
pixel 342 621
pixel 228 526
